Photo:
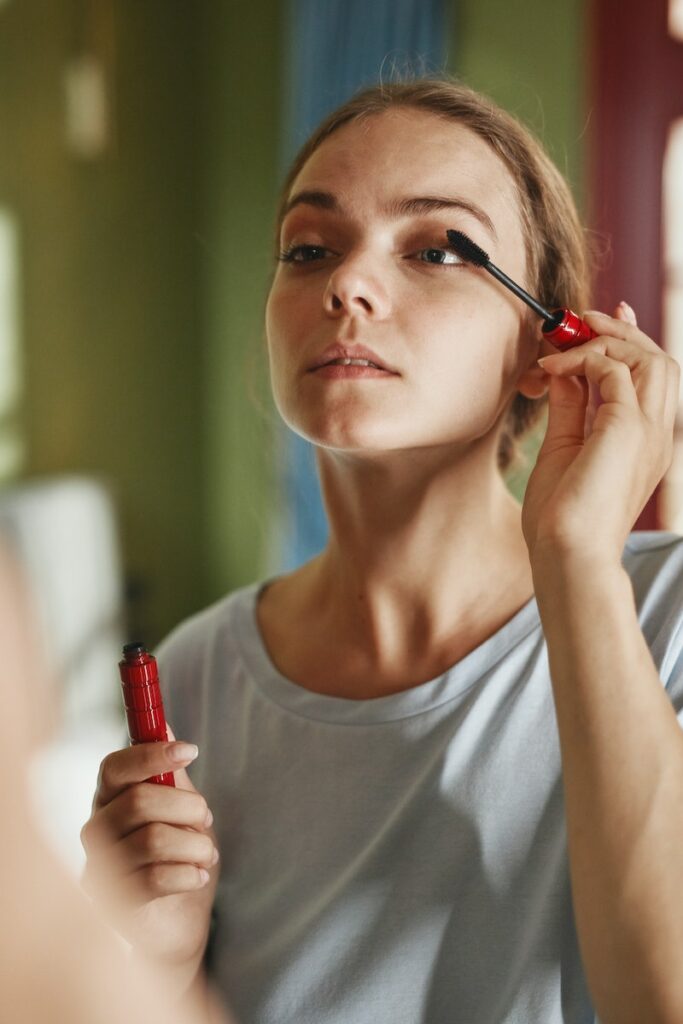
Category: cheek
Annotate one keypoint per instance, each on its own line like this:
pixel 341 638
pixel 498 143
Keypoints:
pixel 287 318
pixel 277 333
pixel 472 355
pixel 282 331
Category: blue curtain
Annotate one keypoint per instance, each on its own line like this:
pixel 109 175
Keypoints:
pixel 332 49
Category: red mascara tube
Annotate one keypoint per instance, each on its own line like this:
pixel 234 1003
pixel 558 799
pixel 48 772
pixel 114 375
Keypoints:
pixel 566 329
pixel 142 701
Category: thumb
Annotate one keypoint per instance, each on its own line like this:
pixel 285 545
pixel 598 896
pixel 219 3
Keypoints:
pixel 567 403
pixel 182 779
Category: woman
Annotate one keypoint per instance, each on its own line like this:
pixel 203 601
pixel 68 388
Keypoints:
pixel 445 772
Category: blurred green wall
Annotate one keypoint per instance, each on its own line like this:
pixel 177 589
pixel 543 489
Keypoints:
pixel 530 57
pixel 238 186
pixel 144 271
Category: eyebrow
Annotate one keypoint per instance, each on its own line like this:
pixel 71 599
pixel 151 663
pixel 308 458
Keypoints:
pixel 409 206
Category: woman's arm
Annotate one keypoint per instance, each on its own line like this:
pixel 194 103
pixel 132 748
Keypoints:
pixel 621 744
pixel 622 763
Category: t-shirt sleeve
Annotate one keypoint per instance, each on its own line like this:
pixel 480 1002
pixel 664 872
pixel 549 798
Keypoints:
pixel 673 679
pixel 656 570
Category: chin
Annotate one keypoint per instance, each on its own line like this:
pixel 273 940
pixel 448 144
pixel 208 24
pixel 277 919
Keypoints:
pixel 353 436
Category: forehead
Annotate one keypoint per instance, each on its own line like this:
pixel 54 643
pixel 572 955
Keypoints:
pixel 405 151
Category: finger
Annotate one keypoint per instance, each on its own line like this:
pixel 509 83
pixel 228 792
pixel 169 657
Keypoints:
pixel 181 776
pixel 649 371
pixel 636 356
pixel 625 312
pixel 612 376
pixel 673 397
pixel 161 843
pixel 566 414
pixel 158 880
pixel 140 805
pixel 138 763
pixel 619 328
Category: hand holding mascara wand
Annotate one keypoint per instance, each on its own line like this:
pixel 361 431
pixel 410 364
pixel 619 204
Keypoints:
pixel 561 326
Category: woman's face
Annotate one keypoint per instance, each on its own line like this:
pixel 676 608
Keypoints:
pixel 370 268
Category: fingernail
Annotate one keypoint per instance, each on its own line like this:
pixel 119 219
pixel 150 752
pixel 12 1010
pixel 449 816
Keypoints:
pixel 541 361
pixel 204 875
pixel 630 313
pixel 183 752
pixel 214 856
pixel 209 819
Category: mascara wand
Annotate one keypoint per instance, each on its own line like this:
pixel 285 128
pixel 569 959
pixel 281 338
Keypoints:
pixel 564 328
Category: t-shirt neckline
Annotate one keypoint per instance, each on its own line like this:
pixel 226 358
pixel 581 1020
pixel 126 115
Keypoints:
pixel 417 700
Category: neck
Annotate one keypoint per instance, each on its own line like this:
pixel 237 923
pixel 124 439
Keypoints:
pixel 418 543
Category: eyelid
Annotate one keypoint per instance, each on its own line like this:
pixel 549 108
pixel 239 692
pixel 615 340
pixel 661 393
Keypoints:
pixel 287 254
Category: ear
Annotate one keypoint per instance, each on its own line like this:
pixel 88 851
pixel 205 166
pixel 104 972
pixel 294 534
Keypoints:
pixel 534 381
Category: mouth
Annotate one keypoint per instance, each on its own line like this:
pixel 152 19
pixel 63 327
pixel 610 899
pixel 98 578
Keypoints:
pixel 351 370
pixel 352 362
pixel 347 356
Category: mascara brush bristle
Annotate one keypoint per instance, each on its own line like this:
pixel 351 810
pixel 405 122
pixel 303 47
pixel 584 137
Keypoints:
pixel 467 249
pixel 470 252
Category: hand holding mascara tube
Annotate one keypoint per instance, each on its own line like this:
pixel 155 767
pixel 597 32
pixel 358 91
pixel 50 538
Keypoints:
pixel 142 701
pixel 158 837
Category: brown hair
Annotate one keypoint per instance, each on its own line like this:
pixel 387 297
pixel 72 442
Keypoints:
pixel 556 246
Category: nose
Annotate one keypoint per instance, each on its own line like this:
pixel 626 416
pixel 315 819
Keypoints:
pixel 354 288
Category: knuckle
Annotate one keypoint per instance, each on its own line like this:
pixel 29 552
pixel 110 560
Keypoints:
pixel 84 835
pixel 207 848
pixel 159 879
pixel 201 808
pixel 153 839
pixel 135 801
pixel 108 775
pixel 165 879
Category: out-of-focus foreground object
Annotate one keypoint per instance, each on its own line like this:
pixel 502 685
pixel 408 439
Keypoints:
pixel 63 532
pixel 59 960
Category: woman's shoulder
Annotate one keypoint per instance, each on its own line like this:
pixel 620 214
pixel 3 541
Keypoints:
pixel 199 633
pixel 200 660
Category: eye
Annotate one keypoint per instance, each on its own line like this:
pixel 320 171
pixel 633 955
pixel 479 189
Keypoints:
pixel 442 257
pixel 302 254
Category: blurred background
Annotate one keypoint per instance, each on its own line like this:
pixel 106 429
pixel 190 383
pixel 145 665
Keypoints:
pixel 143 470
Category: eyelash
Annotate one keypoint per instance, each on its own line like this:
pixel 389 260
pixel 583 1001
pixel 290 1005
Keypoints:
pixel 287 255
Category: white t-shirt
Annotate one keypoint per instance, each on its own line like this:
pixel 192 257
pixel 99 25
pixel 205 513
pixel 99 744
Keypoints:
pixel 401 860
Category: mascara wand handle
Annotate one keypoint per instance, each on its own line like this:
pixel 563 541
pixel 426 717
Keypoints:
pixel 567 330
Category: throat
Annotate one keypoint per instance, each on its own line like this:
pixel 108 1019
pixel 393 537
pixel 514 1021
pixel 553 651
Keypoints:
pixel 336 663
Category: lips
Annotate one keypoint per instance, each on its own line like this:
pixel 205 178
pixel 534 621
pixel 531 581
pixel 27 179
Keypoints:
pixel 350 352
